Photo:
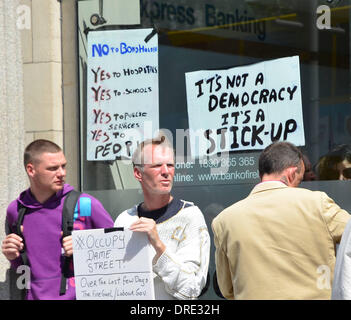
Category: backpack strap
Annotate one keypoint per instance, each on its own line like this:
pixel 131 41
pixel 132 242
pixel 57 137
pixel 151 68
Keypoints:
pixel 67 228
pixel 21 210
pixel 68 211
pixel 16 228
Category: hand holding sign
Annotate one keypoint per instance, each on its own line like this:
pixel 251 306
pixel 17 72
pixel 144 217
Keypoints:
pixel 149 227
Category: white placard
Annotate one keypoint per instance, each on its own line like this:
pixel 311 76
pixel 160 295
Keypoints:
pixel 122 92
pixel 112 265
pixel 245 108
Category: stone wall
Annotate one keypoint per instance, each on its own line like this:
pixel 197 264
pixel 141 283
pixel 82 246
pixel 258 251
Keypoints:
pixel 13 179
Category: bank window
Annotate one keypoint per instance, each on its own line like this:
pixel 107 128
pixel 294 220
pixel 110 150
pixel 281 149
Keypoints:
pixel 220 35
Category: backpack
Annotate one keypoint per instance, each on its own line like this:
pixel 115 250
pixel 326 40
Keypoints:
pixel 69 212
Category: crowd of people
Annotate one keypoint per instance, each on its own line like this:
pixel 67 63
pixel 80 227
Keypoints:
pixel 278 243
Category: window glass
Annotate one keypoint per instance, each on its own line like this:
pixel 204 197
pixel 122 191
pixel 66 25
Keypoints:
pixel 221 34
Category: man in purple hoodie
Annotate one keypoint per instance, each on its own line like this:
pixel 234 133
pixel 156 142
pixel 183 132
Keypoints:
pixel 45 165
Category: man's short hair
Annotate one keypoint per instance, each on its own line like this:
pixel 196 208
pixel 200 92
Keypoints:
pixel 279 156
pixel 38 147
pixel 138 157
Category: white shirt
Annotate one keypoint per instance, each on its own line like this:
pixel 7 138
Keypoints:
pixel 181 271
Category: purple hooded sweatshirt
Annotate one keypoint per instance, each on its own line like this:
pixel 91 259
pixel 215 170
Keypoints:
pixel 42 226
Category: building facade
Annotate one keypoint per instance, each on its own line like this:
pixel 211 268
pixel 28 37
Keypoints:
pixel 45 66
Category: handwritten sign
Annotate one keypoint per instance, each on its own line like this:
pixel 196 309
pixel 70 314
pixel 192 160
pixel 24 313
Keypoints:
pixel 245 108
pixel 112 265
pixel 122 92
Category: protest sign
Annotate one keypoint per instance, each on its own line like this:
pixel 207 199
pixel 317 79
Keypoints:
pixel 111 264
pixel 245 108
pixel 122 92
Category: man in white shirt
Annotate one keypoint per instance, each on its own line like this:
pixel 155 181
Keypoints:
pixel 176 228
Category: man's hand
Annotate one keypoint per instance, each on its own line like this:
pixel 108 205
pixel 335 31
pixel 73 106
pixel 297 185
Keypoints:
pixel 67 245
pixel 11 246
pixel 149 226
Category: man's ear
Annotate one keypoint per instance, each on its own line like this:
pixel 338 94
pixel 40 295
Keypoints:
pixel 137 173
pixel 291 174
pixel 30 169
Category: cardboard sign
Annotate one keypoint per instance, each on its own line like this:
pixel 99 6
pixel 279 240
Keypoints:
pixel 112 265
pixel 245 108
pixel 122 92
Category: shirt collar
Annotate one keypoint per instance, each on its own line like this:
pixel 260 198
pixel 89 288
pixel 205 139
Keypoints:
pixel 267 185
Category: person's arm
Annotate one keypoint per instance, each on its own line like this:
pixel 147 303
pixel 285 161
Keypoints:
pixel 335 217
pixel 342 272
pixel 99 218
pixel 149 226
pixel 67 245
pixel 339 226
pixel 12 244
pixel 184 271
pixel 224 277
